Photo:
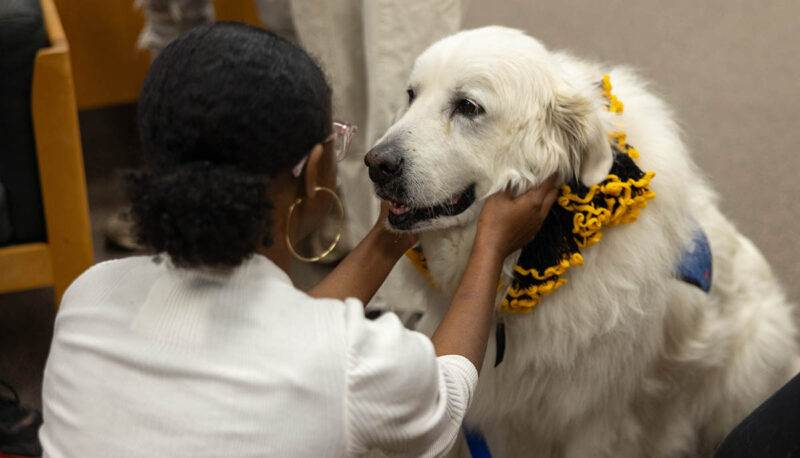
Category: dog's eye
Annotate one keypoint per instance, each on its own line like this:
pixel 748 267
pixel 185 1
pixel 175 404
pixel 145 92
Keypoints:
pixel 411 95
pixel 468 108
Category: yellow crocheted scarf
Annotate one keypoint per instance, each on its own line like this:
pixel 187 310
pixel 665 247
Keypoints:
pixel 575 223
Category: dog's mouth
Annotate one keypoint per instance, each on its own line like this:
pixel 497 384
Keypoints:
pixel 404 217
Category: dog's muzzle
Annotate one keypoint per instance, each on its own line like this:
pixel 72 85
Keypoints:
pixel 385 162
pixel 386 168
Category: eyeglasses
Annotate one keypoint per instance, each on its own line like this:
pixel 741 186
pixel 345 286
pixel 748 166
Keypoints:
pixel 341 137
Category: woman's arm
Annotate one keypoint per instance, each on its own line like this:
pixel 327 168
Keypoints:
pixel 363 271
pixel 506 224
pixel 401 399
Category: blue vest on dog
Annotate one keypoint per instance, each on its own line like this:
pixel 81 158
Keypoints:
pixel 695 265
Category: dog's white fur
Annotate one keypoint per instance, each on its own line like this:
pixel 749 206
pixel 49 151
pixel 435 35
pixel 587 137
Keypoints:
pixel 624 360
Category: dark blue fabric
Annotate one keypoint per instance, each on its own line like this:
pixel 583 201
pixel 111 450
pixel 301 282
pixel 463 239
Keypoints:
pixel 770 431
pixel 22 34
pixel 695 265
pixel 477 444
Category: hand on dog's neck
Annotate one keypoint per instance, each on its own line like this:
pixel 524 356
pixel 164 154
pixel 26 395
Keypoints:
pixel 447 252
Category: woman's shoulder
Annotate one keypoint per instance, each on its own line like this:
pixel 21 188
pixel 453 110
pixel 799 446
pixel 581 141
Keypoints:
pixel 121 267
pixel 111 272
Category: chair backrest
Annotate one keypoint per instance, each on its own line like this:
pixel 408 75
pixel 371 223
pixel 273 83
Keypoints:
pixel 58 146
pixel 68 250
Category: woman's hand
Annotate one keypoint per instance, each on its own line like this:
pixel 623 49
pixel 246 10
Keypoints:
pixel 508 223
pixel 505 225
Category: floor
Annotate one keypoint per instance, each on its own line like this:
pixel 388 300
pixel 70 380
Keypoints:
pixel 728 68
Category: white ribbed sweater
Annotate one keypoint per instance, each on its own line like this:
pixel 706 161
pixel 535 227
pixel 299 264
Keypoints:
pixel 149 360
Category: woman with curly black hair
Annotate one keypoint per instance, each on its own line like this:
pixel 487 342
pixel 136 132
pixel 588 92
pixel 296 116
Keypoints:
pixel 208 349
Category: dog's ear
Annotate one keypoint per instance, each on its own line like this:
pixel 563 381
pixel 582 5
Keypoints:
pixel 574 121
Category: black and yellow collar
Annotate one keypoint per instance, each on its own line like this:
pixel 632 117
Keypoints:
pixel 575 223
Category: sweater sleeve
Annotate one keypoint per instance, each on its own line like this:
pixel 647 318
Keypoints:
pixel 401 398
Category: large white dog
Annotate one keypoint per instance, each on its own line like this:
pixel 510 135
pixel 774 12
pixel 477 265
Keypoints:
pixel 625 358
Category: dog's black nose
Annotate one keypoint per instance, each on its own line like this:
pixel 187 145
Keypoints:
pixel 385 162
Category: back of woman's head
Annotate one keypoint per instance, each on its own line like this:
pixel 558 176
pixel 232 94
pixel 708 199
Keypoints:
pixel 223 109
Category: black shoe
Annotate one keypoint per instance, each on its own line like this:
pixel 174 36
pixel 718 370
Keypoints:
pixel 19 426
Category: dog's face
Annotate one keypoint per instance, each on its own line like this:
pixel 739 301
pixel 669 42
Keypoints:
pixel 487 109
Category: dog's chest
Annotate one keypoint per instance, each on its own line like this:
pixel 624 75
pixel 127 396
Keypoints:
pixel 447 254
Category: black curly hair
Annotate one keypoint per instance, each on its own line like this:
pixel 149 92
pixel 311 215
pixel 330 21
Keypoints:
pixel 224 108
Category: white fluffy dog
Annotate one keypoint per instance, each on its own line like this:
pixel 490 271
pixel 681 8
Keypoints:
pixel 625 359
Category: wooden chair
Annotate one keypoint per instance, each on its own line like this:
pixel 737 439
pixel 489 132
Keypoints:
pixel 68 250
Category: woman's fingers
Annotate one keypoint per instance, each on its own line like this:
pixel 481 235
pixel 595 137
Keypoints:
pixel 535 206
pixel 540 193
pixel 538 199
pixel 513 222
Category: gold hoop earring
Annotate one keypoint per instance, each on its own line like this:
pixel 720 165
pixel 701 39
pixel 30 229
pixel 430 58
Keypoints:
pixel 338 234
